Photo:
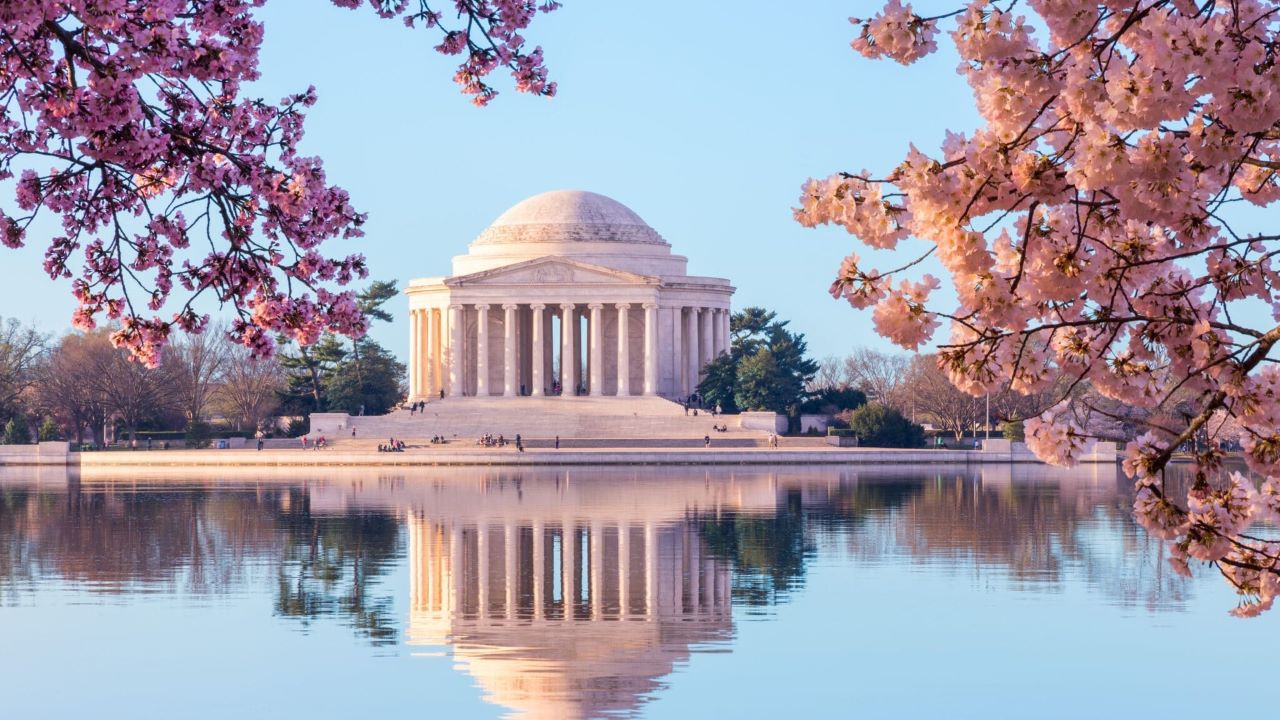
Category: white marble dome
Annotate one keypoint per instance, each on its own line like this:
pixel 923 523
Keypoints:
pixel 576 224
pixel 568 216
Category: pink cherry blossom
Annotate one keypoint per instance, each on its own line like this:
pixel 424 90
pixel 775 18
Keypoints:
pixel 128 122
pixel 1088 227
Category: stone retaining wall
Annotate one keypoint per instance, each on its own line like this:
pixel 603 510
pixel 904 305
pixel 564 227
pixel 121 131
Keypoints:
pixel 459 453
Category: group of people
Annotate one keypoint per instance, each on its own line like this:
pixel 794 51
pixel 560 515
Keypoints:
pixel 720 428
pixel 315 445
pixel 392 445
pixel 417 407
pixel 491 440
pixel 438 440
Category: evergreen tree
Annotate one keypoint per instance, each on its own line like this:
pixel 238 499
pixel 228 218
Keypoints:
pixel 720 377
pixel 370 301
pixel 372 386
pixel 765 369
pixel 49 430
pixel 307 370
pixel 16 432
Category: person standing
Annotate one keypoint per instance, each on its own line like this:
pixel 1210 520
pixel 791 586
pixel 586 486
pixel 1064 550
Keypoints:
pixel 519 444
pixel 557 442
pixel 706 441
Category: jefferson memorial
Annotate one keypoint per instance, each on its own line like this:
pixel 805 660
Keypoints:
pixel 568 292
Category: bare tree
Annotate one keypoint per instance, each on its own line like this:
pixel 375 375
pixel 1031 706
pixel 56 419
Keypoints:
pixel 20 350
pixel 881 376
pixel 66 386
pixel 132 391
pixel 937 400
pixel 249 391
pixel 831 374
pixel 197 363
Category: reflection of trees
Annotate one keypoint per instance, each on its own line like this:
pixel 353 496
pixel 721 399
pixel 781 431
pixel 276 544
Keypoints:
pixel 1034 531
pixel 203 541
pixel 769 552
pixel 1027 529
pixel 328 567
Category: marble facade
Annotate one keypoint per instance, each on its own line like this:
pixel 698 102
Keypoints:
pixel 637 323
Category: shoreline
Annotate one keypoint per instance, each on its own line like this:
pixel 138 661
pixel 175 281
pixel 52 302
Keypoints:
pixel 532 457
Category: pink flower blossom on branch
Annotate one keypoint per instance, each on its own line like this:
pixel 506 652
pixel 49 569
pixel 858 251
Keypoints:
pixel 1088 230
pixel 125 120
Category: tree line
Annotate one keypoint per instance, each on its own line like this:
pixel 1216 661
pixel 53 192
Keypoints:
pixel 80 387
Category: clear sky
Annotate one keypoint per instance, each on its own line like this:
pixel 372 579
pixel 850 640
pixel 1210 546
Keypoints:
pixel 703 118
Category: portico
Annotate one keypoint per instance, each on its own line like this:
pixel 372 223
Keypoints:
pixel 567 293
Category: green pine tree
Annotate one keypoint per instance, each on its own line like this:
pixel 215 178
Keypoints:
pixel 16 432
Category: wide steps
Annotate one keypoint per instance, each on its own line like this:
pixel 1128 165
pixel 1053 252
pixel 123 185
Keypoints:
pixel 574 417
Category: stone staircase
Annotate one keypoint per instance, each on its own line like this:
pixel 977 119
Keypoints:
pixel 601 418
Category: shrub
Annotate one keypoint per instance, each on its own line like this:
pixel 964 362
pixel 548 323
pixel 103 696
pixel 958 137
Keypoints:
pixel 880 426
pixel 1014 431
pixel 198 434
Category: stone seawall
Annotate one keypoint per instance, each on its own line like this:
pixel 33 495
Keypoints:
pixel 470 455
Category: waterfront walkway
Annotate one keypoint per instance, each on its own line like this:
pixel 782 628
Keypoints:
pixel 791 451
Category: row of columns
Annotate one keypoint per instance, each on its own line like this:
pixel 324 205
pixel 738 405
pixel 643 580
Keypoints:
pixel 437 366
pixel 674 567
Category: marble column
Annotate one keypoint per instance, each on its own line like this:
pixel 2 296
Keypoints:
pixel 482 350
pixel 424 351
pixel 677 352
pixel 436 353
pixel 650 349
pixel 509 385
pixel 415 354
pixel 596 327
pixel 426 338
pixel 456 351
pixel 721 318
pixel 568 330
pixel 430 340
pixel 707 343
pixel 691 351
pixel 535 347
pixel 624 351
pixel 726 331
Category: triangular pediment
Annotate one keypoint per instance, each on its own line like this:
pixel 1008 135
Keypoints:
pixel 551 271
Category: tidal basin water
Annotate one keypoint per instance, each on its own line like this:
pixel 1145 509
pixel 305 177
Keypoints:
pixel 930 592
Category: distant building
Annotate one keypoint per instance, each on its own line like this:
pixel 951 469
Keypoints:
pixel 638 324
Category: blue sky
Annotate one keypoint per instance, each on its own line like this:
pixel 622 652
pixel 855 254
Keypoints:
pixel 703 121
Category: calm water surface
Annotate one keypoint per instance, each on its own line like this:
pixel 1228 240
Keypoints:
pixel 656 592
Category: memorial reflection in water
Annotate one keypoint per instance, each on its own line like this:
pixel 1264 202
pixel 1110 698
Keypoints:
pixel 564 594
pixel 573 592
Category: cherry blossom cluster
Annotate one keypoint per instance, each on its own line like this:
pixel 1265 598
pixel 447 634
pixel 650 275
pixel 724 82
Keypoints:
pixel 487 33
pixel 125 121
pixel 1088 230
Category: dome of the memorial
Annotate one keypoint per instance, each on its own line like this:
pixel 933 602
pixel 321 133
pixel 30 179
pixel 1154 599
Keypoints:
pixel 569 216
